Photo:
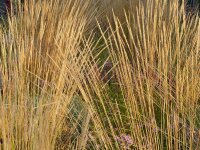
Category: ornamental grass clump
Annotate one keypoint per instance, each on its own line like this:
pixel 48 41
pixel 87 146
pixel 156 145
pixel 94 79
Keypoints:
pixel 39 70
pixel 74 80
pixel 156 59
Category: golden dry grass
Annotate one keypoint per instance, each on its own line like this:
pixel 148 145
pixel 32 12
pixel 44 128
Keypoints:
pixel 53 95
